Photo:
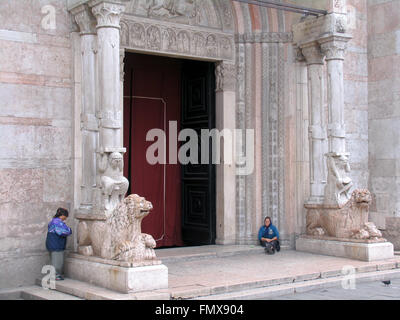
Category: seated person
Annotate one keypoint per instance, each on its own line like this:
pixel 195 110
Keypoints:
pixel 268 236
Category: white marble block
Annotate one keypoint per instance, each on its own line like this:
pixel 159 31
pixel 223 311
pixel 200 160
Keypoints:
pixel 352 250
pixel 121 279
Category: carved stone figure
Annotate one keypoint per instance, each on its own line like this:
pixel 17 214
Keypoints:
pixel 219 76
pixel 119 237
pixel 172 8
pixel 337 190
pixel 348 222
pixel 137 35
pixel 211 46
pixel 183 40
pixel 113 184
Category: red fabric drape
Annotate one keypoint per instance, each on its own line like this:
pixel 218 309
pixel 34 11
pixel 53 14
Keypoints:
pixel 152 98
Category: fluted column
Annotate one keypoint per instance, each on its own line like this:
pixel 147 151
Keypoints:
pixel 317 128
pixel 89 123
pixel 334 48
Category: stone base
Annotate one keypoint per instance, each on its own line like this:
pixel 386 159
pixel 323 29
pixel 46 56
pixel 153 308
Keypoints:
pixel 117 278
pixel 351 250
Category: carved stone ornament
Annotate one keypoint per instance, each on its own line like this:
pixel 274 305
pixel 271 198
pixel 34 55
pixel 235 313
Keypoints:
pixel 172 8
pixel 225 75
pixel 349 221
pixel 113 184
pixel 176 40
pixel 202 13
pixel 119 237
pixel 107 14
pixel 84 19
pixel 265 37
pixel 312 53
pixel 334 47
pixel 337 190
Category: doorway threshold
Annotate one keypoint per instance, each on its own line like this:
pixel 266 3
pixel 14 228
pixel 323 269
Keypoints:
pixel 171 255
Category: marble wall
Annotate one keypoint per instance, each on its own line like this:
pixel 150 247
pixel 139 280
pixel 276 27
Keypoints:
pixel 35 131
pixel 384 112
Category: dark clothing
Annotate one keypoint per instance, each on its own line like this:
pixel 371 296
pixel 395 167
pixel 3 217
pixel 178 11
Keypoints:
pixel 57 235
pixel 271 246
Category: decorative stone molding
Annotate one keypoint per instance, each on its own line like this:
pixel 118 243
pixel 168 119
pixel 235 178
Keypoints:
pixel 174 39
pixel 122 64
pixel 265 37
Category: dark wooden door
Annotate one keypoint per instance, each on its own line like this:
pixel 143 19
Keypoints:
pixel 152 98
pixel 198 180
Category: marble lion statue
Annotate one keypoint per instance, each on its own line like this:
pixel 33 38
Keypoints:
pixel 348 221
pixel 119 237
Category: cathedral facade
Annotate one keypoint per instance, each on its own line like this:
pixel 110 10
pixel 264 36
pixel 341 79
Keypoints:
pixel 83 82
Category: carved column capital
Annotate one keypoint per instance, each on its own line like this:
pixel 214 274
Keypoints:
pixel 334 47
pixel 107 13
pixel 312 53
pixel 84 19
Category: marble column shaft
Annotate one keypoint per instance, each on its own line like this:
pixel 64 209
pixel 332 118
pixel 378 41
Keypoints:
pixel 108 16
pixel 89 123
pixel 334 48
pixel 317 129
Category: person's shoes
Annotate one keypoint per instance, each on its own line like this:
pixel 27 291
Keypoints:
pixel 59 278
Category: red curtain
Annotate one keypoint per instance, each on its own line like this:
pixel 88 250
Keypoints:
pixel 152 98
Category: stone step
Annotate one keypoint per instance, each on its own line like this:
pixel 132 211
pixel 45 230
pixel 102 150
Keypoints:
pixel 39 293
pixel 292 288
pixel 88 291
pixel 174 255
pixel 286 283
pixel 280 284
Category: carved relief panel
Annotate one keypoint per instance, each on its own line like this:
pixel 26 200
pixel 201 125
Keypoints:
pixel 194 28
pixel 171 38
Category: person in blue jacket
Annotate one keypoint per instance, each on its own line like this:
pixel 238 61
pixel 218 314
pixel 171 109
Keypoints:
pixel 268 236
pixel 57 233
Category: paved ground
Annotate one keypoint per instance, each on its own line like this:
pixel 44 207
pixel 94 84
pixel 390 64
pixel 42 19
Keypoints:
pixel 238 269
pixel 373 290
pixel 247 273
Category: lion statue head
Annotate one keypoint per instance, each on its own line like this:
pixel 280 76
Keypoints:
pixel 362 197
pixel 137 207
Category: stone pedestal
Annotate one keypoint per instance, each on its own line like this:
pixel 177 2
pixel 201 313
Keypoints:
pixel 110 275
pixel 346 249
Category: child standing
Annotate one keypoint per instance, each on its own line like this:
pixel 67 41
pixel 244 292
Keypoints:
pixel 56 240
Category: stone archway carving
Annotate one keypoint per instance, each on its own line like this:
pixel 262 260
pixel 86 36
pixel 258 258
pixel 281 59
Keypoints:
pixel 184 28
